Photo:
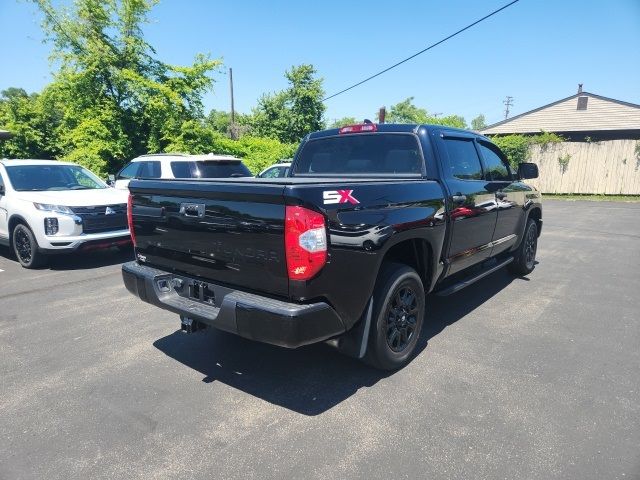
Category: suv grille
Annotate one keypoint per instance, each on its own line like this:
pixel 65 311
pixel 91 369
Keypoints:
pixel 97 220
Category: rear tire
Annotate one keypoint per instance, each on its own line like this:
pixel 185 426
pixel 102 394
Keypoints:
pixel 25 247
pixel 397 318
pixel 525 256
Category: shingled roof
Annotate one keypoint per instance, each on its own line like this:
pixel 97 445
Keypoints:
pixel 582 112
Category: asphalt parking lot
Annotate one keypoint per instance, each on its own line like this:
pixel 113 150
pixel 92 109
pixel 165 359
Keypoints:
pixel 516 378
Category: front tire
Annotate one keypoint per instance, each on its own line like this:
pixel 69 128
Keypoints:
pixel 398 315
pixel 25 247
pixel 525 256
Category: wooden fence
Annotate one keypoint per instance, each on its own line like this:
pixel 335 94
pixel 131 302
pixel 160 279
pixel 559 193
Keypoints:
pixel 609 167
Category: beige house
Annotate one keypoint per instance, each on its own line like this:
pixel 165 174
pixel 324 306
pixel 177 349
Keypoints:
pixel 601 151
pixel 580 117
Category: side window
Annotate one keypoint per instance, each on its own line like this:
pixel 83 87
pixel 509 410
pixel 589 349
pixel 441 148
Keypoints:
pixel 496 168
pixel 464 162
pixel 272 173
pixel 181 169
pixel 1 182
pixel 129 171
pixel 149 169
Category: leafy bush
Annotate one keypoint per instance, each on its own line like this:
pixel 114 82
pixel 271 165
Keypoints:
pixel 517 147
pixel 256 152
pixel 563 161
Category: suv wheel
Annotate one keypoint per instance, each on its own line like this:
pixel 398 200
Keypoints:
pixel 525 256
pixel 398 315
pixel 25 247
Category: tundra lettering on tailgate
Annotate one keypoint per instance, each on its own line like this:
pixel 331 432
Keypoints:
pixel 339 196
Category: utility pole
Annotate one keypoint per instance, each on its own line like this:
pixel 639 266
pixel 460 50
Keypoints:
pixel 233 113
pixel 508 102
pixel 381 114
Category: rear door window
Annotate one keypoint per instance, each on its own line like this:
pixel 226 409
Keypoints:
pixel 464 162
pixel 149 169
pixel 361 154
pixel 182 169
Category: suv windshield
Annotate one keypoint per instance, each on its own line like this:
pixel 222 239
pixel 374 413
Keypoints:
pixel 360 154
pixel 52 177
pixel 210 169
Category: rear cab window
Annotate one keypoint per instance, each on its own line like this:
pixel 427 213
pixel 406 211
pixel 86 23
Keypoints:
pixel 361 154
pixel 210 169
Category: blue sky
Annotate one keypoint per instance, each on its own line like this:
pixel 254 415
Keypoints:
pixel 536 51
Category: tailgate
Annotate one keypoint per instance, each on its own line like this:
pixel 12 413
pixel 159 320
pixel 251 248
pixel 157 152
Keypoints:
pixel 228 233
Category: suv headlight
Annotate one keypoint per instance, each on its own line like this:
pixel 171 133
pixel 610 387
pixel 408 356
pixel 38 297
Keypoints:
pixel 46 207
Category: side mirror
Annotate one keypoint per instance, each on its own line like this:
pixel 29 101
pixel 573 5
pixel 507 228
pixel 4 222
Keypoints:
pixel 527 170
pixel 111 180
pixel 1 190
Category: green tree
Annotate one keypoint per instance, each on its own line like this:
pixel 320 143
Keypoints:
pixel 478 123
pixel 292 113
pixel 407 112
pixel 220 121
pixel 117 100
pixel 32 120
pixel 341 122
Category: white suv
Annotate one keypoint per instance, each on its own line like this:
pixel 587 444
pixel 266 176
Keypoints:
pixel 48 206
pixel 178 165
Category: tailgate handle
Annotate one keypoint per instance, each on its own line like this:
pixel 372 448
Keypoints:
pixel 192 209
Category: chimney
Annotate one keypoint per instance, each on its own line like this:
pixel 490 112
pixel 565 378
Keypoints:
pixel 579 88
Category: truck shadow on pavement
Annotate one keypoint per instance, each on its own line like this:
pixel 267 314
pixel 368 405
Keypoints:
pixel 312 379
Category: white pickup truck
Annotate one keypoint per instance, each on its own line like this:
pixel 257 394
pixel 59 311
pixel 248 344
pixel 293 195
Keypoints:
pixel 50 207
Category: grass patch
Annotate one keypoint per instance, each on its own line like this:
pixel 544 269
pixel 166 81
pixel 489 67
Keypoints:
pixel 591 198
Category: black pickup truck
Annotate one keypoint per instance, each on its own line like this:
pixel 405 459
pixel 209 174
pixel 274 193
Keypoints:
pixel 344 249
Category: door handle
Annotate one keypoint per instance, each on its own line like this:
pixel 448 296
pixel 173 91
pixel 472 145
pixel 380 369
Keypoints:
pixel 459 198
pixel 501 195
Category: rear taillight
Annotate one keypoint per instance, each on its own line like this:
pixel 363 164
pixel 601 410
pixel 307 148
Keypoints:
pixel 361 128
pixel 130 219
pixel 305 242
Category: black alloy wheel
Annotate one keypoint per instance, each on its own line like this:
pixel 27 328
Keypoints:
pixel 402 318
pixel 25 247
pixel 530 247
pixel 524 260
pixel 397 317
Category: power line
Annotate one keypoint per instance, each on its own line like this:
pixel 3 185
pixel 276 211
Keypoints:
pixel 421 51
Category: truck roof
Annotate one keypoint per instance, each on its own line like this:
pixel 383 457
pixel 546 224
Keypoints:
pixel 184 157
pixel 395 127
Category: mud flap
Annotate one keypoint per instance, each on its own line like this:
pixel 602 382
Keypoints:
pixel 354 342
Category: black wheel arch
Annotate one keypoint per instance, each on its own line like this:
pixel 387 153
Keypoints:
pixel 14 220
pixel 418 252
